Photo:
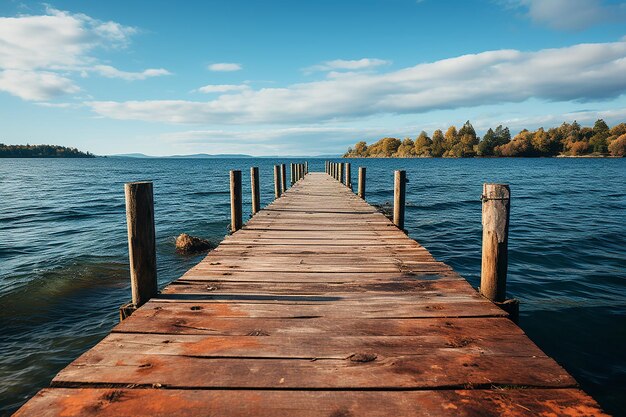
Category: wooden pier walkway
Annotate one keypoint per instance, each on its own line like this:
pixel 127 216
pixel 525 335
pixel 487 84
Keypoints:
pixel 319 306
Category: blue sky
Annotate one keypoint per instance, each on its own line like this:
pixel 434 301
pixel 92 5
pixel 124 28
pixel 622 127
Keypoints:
pixel 295 77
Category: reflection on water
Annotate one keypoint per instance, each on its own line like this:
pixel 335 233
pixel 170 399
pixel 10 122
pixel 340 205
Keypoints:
pixel 63 260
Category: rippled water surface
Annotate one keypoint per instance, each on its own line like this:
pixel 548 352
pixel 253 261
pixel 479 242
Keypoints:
pixel 63 253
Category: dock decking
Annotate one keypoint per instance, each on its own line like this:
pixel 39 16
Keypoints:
pixel 319 306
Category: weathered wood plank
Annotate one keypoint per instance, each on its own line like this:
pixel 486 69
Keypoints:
pixel 431 288
pixel 188 322
pixel 449 370
pixel 384 309
pixel 312 347
pixel 105 402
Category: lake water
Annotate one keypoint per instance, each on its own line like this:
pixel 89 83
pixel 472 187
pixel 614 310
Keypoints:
pixel 63 249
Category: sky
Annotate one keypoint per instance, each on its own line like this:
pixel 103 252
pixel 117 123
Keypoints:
pixel 301 77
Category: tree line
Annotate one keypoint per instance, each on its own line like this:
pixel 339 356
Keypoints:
pixel 41 151
pixel 565 140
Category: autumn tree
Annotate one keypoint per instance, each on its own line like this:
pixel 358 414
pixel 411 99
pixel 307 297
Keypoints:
pixel 422 145
pixel 617 147
pixel 406 149
pixel 437 147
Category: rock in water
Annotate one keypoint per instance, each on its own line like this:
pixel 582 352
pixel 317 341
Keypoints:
pixel 191 244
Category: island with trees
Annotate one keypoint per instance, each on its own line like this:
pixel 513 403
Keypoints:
pixel 41 151
pixel 565 140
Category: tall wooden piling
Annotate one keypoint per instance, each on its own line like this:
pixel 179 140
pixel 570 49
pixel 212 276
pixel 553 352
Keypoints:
pixel 306 167
pixel 399 196
pixel 361 189
pixel 348 180
pixel 235 201
pixel 340 172
pixel 256 191
pixel 283 176
pixel 141 241
pixel 496 206
pixel 277 187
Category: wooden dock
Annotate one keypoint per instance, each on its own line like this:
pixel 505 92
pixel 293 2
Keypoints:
pixel 318 306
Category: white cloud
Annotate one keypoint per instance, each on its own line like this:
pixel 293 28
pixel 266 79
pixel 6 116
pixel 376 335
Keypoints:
pixel 352 65
pixel 112 72
pixel 35 85
pixel 39 53
pixel 578 73
pixel 224 67
pixel 222 88
pixel 55 105
pixel 571 14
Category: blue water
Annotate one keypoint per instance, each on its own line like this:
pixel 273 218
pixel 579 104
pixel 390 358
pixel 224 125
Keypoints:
pixel 63 253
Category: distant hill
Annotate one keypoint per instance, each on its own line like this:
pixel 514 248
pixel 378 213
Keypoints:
pixel 221 155
pixel 41 151
pixel 192 156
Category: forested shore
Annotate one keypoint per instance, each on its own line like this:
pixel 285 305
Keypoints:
pixel 41 151
pixel 565 140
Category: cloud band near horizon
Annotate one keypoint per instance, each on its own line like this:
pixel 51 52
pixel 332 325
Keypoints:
pixel 583 72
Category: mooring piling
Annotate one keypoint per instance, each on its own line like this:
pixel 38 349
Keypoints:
pixel 141 241
pixel 277 187
pixel 348 179
pixel 496 205
pixel 283 176
pixel 399 197
pixel 361 188
pixel 256 191
pixel 235 201
pixel 495 220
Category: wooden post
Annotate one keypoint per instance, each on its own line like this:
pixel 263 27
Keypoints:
pixel 340 173
pixel 348 181
pixel 361 189
pixel 306 167
pixel 283 176
pixel 332 169
pixel 496 205
pixel 399 191
pixel 256 192
pixel 141 241
pixel 277 186
pixel 292 175
pixel 326 167
pixel 302 170
pixel 235 201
